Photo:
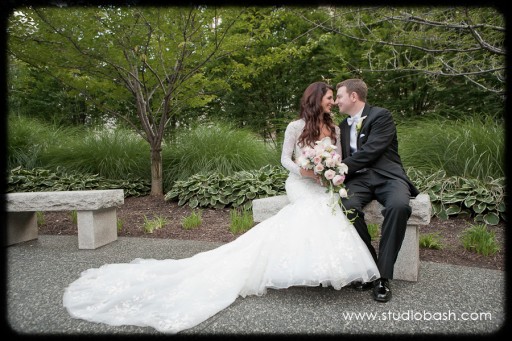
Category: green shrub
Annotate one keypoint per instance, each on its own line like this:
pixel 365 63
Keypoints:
pixel 218 191
pixel 43 180
pixel 458 196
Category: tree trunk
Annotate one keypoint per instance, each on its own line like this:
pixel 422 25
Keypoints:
pixel 157 188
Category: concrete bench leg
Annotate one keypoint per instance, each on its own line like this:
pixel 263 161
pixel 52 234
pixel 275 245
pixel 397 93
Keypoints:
pixel 21 227
pixel 407 264
pixel 96 228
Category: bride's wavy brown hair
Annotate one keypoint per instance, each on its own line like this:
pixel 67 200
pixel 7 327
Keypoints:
pixel 311 111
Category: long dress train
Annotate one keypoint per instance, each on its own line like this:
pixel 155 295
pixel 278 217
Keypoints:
pixel 309 242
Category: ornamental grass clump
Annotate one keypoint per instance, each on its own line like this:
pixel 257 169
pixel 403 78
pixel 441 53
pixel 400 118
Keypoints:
pixel 74 217
pixel 150 225
pixel 41 220
pixel 479 239
pixel 373 230
pixel 470 148
pixel 241 220
pixel 193 220
pixel 218 148
pixel 117 154
pixel 431 241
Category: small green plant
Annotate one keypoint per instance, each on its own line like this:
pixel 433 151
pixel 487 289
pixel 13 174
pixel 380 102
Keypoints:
pixel 153 224
pixel 74 217
pixel 193 220
pixel 373 230
pixel 120 224
pixel 431 241
pixel 241 220
pixel 40 218
pixel 479 239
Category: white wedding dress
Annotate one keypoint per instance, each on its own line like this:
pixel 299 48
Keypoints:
pixel 304 244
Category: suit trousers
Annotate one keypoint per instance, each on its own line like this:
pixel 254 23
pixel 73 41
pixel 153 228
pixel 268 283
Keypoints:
pixel 394 195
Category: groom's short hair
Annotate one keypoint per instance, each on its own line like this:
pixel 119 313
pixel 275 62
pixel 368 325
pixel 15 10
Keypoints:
pixel 355 85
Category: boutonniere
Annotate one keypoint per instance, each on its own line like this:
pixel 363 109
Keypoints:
pixel 360 124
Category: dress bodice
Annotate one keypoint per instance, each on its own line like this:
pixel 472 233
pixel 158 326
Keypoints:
pixel 292 149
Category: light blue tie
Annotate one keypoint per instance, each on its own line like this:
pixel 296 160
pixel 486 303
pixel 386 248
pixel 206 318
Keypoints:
pixel 351 120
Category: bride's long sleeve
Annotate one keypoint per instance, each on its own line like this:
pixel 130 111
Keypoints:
pixel 291 136
pixel 338 141
pixel 290 140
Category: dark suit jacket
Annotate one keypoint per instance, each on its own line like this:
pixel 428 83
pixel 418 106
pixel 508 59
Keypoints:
pixel 377 146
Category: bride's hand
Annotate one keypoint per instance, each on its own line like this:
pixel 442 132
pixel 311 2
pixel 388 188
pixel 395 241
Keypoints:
pixel 311 174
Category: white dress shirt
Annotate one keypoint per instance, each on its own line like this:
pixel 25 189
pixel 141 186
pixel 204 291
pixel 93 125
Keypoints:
pixel 353 131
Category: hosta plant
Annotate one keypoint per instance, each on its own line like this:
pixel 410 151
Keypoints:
pixel 215 190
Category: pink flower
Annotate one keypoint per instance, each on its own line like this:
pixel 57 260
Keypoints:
pixel 329 174
pixel 310 153
pixel 329 162
pixel 326 163
pixel 338 180
pixel 319 168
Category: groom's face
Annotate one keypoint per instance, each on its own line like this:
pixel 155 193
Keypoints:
pixel 345 101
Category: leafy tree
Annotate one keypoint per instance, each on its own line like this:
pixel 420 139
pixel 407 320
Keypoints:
pixel 421 60
pixel 467 42
pixel 268 76
pixel 151 59
pixel 38 95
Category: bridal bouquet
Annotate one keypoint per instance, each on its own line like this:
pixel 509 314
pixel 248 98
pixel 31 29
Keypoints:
pixel 325 162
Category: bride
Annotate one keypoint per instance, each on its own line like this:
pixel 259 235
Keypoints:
pixel 307 243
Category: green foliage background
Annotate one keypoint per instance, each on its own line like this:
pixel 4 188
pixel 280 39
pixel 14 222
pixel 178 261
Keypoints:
pixel 449 113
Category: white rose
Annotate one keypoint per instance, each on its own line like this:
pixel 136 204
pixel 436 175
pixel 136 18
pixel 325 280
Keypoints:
pixel 343 193
pixel 343 168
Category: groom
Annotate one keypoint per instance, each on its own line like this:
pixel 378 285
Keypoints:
pixel 370 150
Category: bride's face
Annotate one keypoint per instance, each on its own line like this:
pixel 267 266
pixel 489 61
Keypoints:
pixel 328 101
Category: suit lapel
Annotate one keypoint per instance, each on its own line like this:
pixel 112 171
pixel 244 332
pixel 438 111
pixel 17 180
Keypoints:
pixel 345 138
pixel 364 117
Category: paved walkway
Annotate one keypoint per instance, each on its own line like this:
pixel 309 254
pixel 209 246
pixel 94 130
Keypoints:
pixel 447 299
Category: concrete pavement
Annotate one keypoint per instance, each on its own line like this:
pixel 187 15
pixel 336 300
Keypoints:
pixel 447 299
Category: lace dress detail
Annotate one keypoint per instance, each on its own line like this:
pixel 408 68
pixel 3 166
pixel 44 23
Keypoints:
pixel 304 244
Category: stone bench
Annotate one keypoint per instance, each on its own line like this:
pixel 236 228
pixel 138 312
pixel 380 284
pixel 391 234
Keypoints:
pixel 407 263
pixel 96 214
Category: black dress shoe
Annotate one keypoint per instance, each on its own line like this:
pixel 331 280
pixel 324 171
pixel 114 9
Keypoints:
pixel 381 290
pixel 362 286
